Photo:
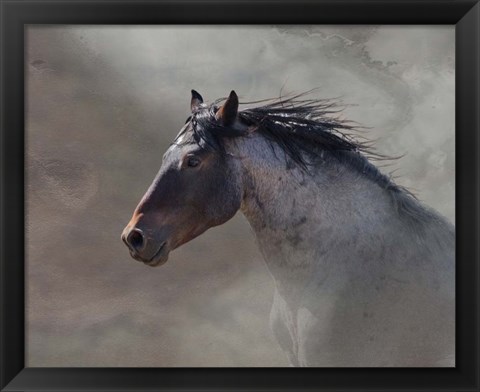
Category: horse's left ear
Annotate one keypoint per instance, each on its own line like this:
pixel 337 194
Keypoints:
pixel 227 114
pixel 196 101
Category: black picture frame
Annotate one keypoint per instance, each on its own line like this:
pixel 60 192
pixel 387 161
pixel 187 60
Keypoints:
pixel 465 14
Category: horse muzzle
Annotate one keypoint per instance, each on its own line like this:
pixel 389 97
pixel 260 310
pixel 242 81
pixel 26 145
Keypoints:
pixel 144 248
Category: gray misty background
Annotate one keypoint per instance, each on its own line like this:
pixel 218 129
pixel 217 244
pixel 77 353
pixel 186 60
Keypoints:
pixel 103 104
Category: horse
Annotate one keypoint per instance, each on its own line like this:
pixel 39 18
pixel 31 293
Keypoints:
pixel 364 272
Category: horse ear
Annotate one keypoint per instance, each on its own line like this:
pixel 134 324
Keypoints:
pixel 196 101
pixel 227 114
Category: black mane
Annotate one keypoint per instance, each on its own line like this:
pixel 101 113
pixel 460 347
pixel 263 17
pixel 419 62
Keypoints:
pixel 299 126
pixel 304 129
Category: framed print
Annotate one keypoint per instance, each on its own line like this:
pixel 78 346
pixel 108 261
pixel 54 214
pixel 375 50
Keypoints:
pixel 239 195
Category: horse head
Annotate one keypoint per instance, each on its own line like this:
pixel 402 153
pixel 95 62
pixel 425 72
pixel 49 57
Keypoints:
pixel 197 187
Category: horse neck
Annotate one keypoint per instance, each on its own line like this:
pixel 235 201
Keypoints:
pixel 308 223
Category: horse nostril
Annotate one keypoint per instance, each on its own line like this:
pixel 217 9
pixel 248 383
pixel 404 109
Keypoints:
pixel 135 239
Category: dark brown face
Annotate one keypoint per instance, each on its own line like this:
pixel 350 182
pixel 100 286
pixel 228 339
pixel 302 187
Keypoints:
pixel 194 190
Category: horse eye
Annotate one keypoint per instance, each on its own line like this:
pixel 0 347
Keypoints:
pixel 193 161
